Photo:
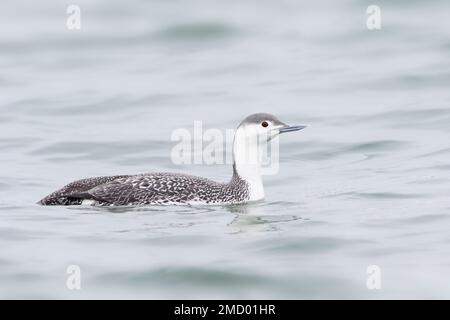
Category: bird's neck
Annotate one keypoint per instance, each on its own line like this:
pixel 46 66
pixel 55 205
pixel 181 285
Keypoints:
pixel 247 164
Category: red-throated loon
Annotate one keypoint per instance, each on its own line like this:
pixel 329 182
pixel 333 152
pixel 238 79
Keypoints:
pixel 246 185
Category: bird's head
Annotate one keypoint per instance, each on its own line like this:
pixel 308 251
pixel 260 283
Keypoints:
pixel 263 127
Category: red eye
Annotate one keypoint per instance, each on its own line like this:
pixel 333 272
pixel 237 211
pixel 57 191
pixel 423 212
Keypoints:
pixel 265 124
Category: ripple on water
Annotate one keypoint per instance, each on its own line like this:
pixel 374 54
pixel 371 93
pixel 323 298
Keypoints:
pixel 179 276
pixel 421 219
pixel 118 104
pixel 14 235
pixel 7 144
pixel 377 195
pixel 196 32
pixel 143 209
pixel 229 282
pixel 87 150
pixel 320 150
pixel 308 245
pixel 415 119
pixel 377 146
pixel 440 152
pixel 431 219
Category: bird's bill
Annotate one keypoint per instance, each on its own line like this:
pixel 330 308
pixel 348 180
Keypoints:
pixel 291 128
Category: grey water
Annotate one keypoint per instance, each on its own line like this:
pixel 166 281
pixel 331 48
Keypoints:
pixel 366 184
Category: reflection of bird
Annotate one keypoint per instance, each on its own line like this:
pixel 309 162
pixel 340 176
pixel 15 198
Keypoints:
pixel 255 218
pixel 246 185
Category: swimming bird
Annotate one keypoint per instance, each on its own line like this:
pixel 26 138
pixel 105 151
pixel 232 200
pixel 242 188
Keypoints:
pixel 252 135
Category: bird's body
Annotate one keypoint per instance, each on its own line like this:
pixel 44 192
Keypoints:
pixel 152 188
pixel 173 188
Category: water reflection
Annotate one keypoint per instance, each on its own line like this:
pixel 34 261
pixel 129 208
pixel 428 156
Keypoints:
pixel 251 218
pixel 255 218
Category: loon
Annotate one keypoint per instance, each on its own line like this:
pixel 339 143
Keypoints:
pixel 246 185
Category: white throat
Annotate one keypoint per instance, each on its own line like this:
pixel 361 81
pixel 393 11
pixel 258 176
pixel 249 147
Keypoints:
pixel 247 159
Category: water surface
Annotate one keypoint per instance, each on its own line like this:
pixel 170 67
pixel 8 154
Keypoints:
pixel 366 184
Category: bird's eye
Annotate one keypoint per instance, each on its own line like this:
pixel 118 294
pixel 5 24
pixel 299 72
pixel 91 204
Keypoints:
pixel 265 124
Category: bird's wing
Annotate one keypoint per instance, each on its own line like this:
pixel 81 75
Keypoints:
pixel 62 196
pixel 143 189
